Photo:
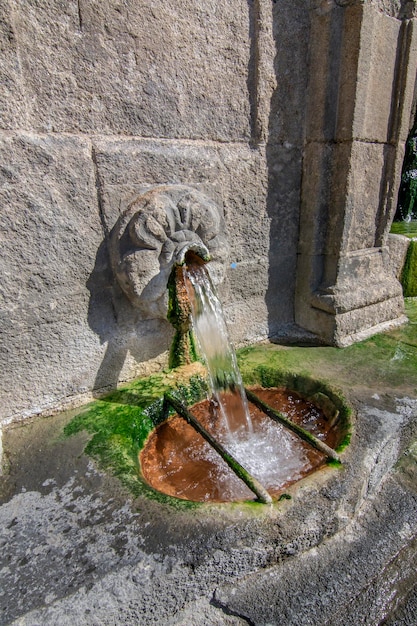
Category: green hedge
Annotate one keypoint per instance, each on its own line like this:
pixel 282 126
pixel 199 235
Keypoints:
pixel 409 273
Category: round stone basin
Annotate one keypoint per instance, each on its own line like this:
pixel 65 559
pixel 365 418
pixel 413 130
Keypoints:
pixel 178 462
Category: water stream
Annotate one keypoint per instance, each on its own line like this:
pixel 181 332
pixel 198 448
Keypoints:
pixel 179 462
pixel 217 351
pixel 262 447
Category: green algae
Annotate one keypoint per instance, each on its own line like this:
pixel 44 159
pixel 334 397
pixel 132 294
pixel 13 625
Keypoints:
pixel 120 423
pixel 387 360
pixel 183 347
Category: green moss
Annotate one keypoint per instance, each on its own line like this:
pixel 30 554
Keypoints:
pixel 120 423
pixel 183 348
pixel 345 441
pixel 334 463
pixel 409 272
pixel 385 360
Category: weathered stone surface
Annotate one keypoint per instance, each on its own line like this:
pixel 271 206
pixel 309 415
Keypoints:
pixel 291 34
pixel 358 88
pixel 398 246
pixel 366 92
pixel 12 93
pixel 155 233
pixel 260 210
pixel 50 233
pixel 146 69
pixel 402 9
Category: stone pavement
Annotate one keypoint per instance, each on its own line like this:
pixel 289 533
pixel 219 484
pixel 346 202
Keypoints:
pixel 76 549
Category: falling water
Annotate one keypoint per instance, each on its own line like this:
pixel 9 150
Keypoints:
pixel 179 463
pixel 215 346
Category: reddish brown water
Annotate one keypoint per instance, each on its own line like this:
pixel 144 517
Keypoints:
pixel 177 461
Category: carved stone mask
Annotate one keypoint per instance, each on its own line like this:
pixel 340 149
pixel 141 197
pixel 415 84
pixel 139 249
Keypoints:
pixel 154 233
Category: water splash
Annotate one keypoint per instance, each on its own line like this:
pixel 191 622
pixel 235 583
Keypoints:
pixel 267 450
pixel 217 351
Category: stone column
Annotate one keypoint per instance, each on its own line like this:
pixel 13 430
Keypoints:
pixel 359 101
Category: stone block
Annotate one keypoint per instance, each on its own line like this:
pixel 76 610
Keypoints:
pixel 348 192
pixel 144 69
pixel 376 75
pixel 291 35
pixel 235 177
pixel 371 175
pixel 316 205
pixel 362 74
pixel 50 234
pixel 12 94
pixel 322 94
pixel 397 248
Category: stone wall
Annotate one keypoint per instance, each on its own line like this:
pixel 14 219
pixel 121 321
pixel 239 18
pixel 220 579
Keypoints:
pixel 361 88
pixel 100 100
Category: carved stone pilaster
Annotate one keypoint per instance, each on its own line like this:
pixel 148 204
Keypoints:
pixel 363 68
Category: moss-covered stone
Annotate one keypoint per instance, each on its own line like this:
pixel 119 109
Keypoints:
pixel 391 356
pixel 120 423
pixel 183 348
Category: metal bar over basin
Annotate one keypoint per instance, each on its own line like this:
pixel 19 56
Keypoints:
pixel 253 484
pixel 298 430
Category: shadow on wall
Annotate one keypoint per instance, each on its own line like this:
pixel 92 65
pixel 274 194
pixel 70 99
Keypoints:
pixel 284 151
pixel 118 324
pixel 284 137
pixel 128 337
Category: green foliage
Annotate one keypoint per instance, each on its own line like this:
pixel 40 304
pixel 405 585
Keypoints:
pixel 407 195
pixel 409 273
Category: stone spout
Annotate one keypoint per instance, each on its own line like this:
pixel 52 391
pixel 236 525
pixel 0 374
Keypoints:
pixel 195 248
pixel 153 236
